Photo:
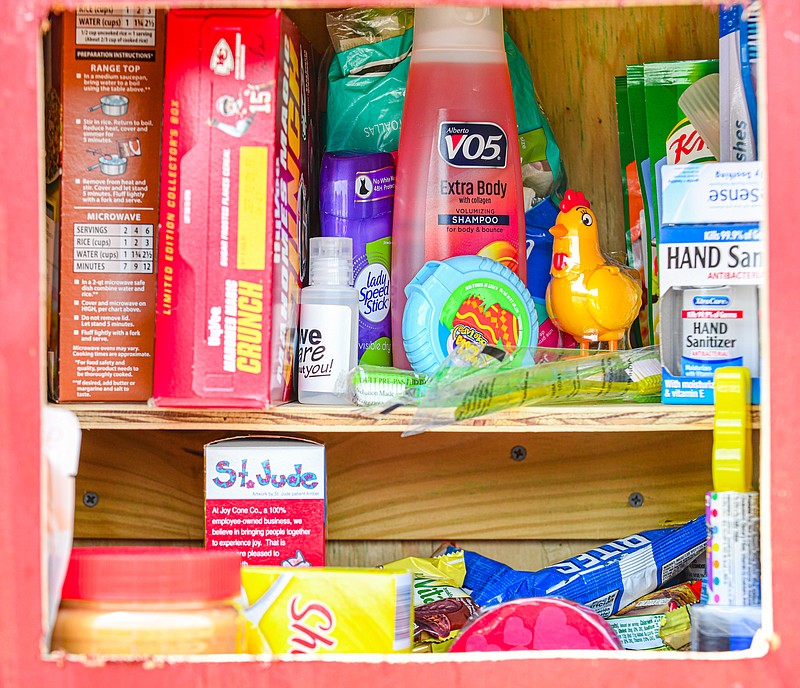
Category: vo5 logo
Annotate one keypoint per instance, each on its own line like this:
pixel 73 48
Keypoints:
pixel 472 144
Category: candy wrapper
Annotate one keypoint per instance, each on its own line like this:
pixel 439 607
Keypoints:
pixel 605 579
pixel 441 605
pixel 473 382
pixel 659 620
pixel 537 624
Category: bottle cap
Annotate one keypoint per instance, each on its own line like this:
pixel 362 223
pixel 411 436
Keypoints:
pixel 137 574
pixel 465 298
pixel 441 27
pixel 331 261
pixel 355 185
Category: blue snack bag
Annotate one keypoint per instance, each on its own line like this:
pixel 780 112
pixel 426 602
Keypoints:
pixel 366 86
pixel 605 579
pixel 539 244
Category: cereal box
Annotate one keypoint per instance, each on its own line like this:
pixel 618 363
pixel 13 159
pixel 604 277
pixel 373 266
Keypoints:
pixel 237 166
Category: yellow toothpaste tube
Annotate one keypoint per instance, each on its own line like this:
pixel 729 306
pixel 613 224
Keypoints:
pixel 326 610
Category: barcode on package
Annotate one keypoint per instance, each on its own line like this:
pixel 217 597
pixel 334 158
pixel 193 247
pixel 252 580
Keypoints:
pixel 402 612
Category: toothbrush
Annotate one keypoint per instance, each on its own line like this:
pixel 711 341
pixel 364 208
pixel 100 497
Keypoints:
pixel 749 40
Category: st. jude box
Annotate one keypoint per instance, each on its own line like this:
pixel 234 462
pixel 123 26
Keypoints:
pixel 265 498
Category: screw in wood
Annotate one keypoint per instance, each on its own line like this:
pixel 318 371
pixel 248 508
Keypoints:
pixel 90 499
pixel 518 453
pixel 635 499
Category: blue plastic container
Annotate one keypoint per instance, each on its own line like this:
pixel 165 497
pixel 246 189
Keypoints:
pixel 465 298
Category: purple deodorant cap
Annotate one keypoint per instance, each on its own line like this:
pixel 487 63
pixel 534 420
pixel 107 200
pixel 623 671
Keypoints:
pixel 356 197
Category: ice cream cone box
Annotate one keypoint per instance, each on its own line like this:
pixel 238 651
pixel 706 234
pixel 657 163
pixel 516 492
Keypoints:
pixel 327 610
pixel 238 187
pixel 103 89
pixel 265 498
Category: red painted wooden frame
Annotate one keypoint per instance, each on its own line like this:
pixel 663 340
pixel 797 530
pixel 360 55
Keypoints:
pixel 21 398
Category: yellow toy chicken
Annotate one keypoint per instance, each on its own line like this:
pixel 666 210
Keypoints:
pixel 588 296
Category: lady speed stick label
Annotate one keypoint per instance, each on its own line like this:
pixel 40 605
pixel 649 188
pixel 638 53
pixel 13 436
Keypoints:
pixel 472 204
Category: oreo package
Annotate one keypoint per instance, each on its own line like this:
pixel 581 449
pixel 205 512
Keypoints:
pixel 605 579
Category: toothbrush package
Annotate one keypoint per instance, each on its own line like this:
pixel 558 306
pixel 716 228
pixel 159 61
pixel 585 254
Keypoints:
pixel 737 135
pixel 605 579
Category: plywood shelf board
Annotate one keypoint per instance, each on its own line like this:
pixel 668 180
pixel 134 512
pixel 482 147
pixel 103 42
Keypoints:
pixel 295 417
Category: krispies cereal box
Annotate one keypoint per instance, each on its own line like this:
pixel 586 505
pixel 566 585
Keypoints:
pixel 265 498
pixel 324 611
pixel 236 165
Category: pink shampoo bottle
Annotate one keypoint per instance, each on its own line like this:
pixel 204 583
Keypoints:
pixel 459 184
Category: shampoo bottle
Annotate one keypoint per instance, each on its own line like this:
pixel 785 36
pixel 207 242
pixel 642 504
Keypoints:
pixel 355 198
pixel 328 340
pixel 459 182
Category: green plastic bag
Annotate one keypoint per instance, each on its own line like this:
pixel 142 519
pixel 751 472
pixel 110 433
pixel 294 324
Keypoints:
pixel 366 87
pixel 542 168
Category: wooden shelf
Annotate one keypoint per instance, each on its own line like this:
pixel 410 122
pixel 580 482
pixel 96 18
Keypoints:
pixel 295 417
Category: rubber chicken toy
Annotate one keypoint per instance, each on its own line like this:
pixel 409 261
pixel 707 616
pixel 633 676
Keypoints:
pixel 589 297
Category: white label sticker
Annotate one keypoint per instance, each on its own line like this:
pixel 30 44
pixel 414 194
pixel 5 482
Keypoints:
pixel 324 348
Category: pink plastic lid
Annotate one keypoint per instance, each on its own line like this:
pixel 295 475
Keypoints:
pixel 138 574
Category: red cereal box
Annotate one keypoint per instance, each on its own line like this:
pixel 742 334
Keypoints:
pixel 265 498
pixel 236 164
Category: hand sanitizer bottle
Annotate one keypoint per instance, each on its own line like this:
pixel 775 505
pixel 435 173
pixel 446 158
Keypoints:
pixel 328 341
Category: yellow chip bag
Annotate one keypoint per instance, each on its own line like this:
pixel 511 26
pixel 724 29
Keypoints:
pixel 326 610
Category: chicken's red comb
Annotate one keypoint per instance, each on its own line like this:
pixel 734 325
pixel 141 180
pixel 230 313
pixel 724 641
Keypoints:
pixel 573 199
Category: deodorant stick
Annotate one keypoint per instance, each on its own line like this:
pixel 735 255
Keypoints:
pixel 356 199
